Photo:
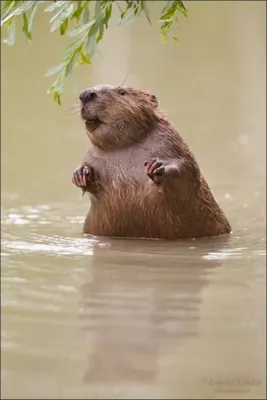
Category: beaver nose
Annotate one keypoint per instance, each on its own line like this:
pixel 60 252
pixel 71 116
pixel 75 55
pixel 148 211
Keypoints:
pixel 87 95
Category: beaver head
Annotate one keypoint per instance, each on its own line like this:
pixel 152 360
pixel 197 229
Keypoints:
pixel 118 117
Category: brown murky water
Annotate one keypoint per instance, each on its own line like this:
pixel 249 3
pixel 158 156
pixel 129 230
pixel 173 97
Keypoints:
pixel 102 318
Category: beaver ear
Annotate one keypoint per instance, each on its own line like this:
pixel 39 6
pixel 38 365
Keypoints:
pixel 154 100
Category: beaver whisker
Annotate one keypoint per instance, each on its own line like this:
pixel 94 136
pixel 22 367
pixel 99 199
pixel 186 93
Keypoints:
pixel 74 112
pixel 72 106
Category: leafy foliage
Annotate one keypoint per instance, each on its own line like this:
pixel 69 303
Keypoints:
pixel 91 19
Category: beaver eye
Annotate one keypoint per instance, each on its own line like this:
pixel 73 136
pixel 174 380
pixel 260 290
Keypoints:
pixel 122 92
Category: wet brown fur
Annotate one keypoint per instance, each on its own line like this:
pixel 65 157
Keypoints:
pixel 126 128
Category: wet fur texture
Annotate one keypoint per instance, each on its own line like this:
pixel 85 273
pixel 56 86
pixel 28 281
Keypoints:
pixel 127 129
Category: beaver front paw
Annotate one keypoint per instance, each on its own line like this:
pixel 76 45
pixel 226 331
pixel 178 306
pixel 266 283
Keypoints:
pixel 155 170
pixel 83 176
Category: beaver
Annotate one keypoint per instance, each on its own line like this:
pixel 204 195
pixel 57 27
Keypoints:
pixel 142 178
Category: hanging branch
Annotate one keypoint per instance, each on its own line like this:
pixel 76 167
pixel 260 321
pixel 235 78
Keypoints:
pixel 92 19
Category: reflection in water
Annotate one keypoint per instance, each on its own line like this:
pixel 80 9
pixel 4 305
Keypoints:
pixel 140 301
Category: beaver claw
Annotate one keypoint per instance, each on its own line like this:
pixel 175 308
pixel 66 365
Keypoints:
pixel 155 170
pixel 83 175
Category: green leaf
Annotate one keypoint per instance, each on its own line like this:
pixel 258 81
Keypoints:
pixel 77 13
pixel 54 6
pixel 25 28
pixel 90 46
pixel 171 8
pixel 73 47
pixel 32 14
pixel 124 12
pixel 57 98
pixel 182 9
pixel 136 10
pixel 12 12
pixel 107 15
pixel 17 8
pixel 86 15
pixel 146 10
pixel 25 6
pixel 57 87
pixel 70 64
pixel 6 7
pixel 84 58
pixel 54 70
pixel 11 31
pixel 58 18
pixel 64 26
pixel 58 84
pixel 100 33
pixel 81 29
pixel 169 16
pixel 97 10
pixel 129 14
